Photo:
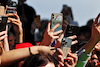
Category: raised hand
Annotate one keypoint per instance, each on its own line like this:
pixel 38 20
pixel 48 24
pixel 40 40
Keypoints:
pixel 71 60
pixel 3 35
pixel 17 26
pixel 50 35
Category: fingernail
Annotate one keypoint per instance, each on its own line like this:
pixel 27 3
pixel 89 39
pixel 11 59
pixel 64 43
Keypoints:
pixel 75 36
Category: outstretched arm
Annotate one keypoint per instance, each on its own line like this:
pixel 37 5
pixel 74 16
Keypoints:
pixel 95 37
pixel 16 55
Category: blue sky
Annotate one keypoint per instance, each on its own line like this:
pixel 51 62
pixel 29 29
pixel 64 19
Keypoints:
pixel 83 10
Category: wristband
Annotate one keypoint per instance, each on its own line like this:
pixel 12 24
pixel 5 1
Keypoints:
pixel 30 51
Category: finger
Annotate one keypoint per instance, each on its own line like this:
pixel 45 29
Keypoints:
pixel 66 22
pixel 72 37
pixel 60 58
pixel 55 37
pixel 10 19
pixel 65 25
pixel 9 14
pixel 48 26
pixel 57 25
pixel 3 37
pixel 2 33
pixel 61 36
pixel 74 42
pixel 60 52
pixel 74 56
pixel 58 32
pixel 6 8
pixel 16 15
pixel 16 23
pixel 70 60
pixel 96 20
pixel 6 29
pixel 66 64
pixel 61 64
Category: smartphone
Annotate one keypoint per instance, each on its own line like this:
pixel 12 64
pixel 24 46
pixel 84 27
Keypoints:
pixel 11 7
pixel 57 18
pixel 66 46
pixel 71 30
pixel 37 19
pixel 3 23
pixel 11 10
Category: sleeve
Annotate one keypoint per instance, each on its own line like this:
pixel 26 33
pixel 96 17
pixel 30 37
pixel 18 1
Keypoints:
pixel 83 58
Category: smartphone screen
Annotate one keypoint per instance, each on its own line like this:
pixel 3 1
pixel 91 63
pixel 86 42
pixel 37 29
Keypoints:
pixel 11 10
pixel 3 22
pixel 66 46
pixel 56 18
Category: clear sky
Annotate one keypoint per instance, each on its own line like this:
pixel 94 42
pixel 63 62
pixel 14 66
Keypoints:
pixel 83 10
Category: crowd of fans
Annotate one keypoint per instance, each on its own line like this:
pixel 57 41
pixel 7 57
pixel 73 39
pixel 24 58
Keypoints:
pixel 27 43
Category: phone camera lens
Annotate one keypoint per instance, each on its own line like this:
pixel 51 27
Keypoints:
pixel 53 17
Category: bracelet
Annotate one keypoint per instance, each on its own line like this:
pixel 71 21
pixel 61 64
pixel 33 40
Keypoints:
pixel 30 51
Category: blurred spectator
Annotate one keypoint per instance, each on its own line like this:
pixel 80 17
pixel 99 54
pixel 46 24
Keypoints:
pixel 82 37
pixel 26 14
pixel 84 33
pixel 11 41
pixel 67 15
pixel 89 23
pixel 94 60
pixel 43 27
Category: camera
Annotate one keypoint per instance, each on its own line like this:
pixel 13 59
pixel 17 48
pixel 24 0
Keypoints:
pixel 3 23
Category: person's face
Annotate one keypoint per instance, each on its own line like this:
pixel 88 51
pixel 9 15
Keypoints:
pixel 50 64
pixel 82 38
pixel 95 58
pixel 11 41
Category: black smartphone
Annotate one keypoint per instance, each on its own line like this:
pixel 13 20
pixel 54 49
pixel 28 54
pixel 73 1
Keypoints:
pixel 12 8
pixel 71 30
pixel 3 23
pixel 57 18
pixel 66 46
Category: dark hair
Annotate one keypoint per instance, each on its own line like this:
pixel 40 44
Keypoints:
pixel 4 2
pixel 37 60
pixel 84 30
